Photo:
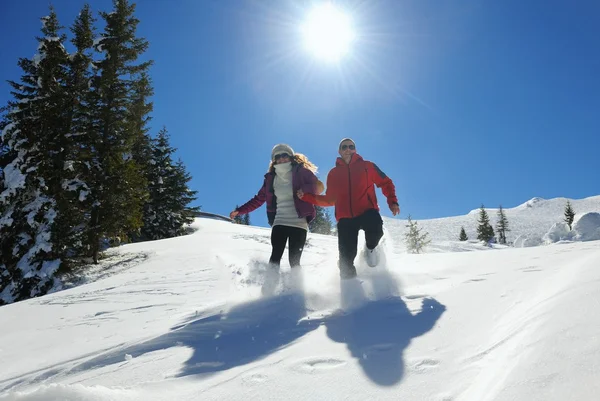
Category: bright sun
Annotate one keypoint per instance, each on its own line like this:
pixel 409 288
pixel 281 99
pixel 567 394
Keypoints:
pixel 327 33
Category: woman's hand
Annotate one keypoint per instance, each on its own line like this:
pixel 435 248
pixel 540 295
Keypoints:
pixel 299 194
pixel 233 214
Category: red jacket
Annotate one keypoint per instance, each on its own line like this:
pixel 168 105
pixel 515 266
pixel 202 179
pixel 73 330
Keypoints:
pixel 351 188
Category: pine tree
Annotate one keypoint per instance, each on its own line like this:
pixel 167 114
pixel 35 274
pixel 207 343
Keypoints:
pixel 32 244
pixel 77 153
pixel 167 212
pixel 6 156
pixel 138 118
pixel 239 219
pixel 502 225
pixel 463 235
pixel 118 190
pixel 246 219
pixel 569 215
pixel 415 240
pixel 321 224
pixel 142 148
pixel 485 231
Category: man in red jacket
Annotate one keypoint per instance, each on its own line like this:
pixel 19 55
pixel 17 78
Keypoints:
pixel 351 188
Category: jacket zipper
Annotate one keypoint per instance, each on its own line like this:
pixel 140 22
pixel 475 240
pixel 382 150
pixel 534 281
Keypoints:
pixel 350 191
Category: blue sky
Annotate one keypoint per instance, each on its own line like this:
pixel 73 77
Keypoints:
pixel 459 102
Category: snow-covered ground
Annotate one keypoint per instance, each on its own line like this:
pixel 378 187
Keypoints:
pixel 183 319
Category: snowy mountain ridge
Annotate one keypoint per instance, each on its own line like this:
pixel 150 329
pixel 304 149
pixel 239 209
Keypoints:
pixel 529 222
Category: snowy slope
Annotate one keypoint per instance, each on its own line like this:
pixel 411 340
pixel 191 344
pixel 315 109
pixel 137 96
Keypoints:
pixel 530 220
pixel 183 319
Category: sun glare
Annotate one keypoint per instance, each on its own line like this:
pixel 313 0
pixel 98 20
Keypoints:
pixel 327 33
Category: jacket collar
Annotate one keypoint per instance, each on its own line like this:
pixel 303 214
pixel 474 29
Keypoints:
pixel 295 168
pixel 355 158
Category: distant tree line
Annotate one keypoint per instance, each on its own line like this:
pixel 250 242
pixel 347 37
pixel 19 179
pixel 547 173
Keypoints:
pixel 78 167
pixel 485 231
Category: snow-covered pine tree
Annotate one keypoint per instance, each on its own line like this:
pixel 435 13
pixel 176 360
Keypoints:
pixel 118 185
pixel 415 239
pixel 485 231
pixel 32 242
pixel 167 212
pixel 502 226
pixel 463 235
pixel 322 222
pixel 77 154
pixel 569 215
pixel 6 156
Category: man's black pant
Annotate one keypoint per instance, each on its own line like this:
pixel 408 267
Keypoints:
pixel 279 237
pixel 372 224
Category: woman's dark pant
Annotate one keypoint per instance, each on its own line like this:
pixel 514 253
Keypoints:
pixel 372 224
pixel 279 237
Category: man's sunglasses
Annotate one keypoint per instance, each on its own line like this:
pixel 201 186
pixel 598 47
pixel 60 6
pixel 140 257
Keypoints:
pixel 280 155
pixel 351 147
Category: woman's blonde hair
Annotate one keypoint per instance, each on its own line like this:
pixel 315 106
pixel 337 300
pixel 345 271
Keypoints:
pixel 297 159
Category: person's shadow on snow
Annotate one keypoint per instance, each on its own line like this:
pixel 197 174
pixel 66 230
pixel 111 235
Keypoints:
pixel 378 331
pixel 243 334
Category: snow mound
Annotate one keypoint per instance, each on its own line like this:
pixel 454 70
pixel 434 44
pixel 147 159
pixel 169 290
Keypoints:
pixel 558 232
pixel 587 227
pixel 523 241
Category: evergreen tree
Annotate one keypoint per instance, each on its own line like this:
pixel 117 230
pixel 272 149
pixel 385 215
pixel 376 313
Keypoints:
pixel 322 222
pixel 485 231
pixel 166 212
pixel 415 239
pixel 239 219
pixel 34 144
pixel 246 219
pixel 138 119
pixel 77 153
pixel 142 148
pixel 502 225
pixel 463 235
pixel 569 215
pixel 118 190
pixel 6 156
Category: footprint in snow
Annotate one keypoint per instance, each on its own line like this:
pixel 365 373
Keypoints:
pixel 474 280
pixel 423 365
pixel 256 378
pixel 313 365
pixel 529 269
